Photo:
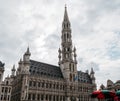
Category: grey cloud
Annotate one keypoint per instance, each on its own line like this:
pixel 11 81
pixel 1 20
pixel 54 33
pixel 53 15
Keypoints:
pixel 39 16
pixel 16 34
pixel 84 64
pixel 52 41
pixel 92 12
pixel 95 66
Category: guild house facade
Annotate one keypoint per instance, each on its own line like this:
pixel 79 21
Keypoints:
pixel 38 81
pixel 113 86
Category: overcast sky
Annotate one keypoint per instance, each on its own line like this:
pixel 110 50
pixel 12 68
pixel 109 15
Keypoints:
pixel 37 23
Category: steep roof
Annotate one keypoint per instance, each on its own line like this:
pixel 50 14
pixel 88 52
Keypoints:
pixel 1 64
pixel 84 77
pixel 43 69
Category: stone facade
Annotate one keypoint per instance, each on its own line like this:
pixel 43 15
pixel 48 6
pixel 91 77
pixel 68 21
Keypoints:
pixel 111 85
pixel 6 85
pixel 6 88
pixel 37 81
pixel 1 76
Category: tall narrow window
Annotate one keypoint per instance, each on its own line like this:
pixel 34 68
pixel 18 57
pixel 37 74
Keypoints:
pixel 70 66
pixel 6 82
pixel 74 77
pixel 29 96
pixel 38 97
pixel 30 83
pixel 68 49
pixel 34 83
pixel 70 77
pixel 42 84
pixel 1 97
pixel 2 89
pixel 33 97
pixel 73 67
pixel 9 90
pixel 42 97
pixel 38 84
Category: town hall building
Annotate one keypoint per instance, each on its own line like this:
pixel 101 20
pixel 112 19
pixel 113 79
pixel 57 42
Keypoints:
pixel 38 81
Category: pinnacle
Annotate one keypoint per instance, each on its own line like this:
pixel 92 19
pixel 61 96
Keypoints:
pixel 28 51
pixel 13 69
pixel 92 71
pixel 65 14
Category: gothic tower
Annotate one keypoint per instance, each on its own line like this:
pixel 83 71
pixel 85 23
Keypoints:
pixel 67 54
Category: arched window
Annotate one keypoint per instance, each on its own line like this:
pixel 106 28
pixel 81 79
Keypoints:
pixel 54 86
pixel 42 97
pixel 70 77
pixel 34 83
pixel 46 85
pixel 64 25
pixel 42 84
pixel 74 77
pixel 7 82
pixel 73 67
pixel 30 83
pixel 38 84
pixel 50 85
pixel 38 97
pixel 67 25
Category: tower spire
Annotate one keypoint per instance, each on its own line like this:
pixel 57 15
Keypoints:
pixel 66 18
pixel 67 57
pixel 66 38
pixel 66 22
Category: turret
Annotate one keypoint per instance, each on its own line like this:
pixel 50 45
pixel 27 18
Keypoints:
pixel 26 62
pixel 24 67
pixel 93 79
pixel 59 56
pixel 19 69
pixel 13 71
pixel 92 75
pixel 1 71
pixel 75 55
pixel 26 57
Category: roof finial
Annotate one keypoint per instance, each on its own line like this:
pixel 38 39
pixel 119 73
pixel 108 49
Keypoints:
pixel 13 69
pixel 65 6
pixel 65 14
pixel 28 51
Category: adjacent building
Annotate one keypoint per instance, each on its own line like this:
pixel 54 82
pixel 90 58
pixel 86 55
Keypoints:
pixel 1 76
pixel 6 85
pixel 111 85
